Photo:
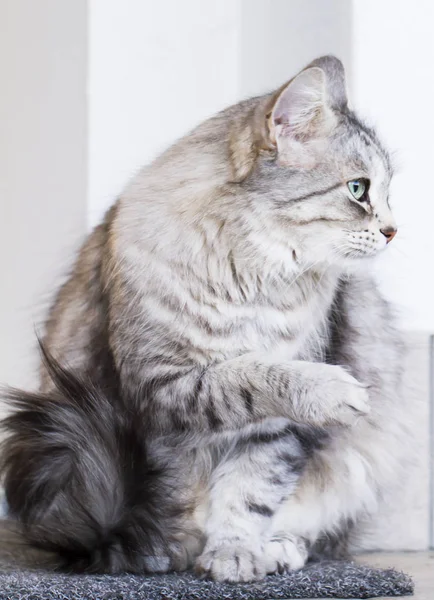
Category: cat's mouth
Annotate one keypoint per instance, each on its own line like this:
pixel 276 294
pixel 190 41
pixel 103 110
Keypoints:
pixel 366 243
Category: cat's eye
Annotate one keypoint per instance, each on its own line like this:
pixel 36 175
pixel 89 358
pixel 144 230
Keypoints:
pixel 359 189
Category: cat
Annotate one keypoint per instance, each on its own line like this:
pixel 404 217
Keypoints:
pixel 221 378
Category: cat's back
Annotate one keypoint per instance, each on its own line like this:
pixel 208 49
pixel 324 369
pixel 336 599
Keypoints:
pixel 76 325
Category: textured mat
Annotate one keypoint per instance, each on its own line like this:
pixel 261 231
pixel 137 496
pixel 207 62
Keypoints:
pixel 24 575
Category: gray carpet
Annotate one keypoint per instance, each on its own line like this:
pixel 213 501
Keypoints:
pixel 25 575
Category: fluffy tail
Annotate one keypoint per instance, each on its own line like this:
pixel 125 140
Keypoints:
pixel 78 478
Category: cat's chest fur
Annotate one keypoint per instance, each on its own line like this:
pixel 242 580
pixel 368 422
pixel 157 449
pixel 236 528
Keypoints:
pixel 286 320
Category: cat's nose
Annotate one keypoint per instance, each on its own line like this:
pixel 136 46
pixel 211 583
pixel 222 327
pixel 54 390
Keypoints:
pixel 389 233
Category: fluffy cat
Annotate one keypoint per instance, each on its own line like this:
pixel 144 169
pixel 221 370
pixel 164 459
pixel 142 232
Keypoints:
pixel 221 377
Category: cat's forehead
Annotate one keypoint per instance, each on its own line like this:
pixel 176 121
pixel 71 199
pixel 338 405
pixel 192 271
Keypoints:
pixel 358 153
pixel 365 152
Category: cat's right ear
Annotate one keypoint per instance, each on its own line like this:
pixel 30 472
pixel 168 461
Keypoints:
pixel 301 117
pixel 296 120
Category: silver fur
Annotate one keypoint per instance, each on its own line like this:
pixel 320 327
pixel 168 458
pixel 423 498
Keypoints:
pixel 232 285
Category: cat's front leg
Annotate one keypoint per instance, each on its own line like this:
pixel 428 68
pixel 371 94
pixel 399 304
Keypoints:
pixel 250 388
pixel 257 473
pixel 250 485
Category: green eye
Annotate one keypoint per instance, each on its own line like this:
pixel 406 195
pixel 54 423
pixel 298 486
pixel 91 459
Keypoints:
pixel 359 188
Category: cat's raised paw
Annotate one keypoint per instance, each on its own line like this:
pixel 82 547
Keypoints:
pixel 333 396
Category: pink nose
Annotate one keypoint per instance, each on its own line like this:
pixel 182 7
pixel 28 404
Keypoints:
pixel 389 233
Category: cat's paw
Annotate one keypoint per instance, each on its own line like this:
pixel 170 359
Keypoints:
pixel 284 554
pixel 231 563
pixel 333 396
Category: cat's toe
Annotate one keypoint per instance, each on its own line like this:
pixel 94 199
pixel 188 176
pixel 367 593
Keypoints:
pixel 284 554
pixel 231 563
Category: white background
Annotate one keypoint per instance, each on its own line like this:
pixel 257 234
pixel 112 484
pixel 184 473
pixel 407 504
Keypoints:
pixel 93 89
pixel 393 66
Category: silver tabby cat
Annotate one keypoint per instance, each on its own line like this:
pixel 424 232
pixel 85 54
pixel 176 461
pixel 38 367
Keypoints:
pixel 221 380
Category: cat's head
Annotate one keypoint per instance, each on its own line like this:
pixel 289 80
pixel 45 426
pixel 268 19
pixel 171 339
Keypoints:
pixel 321 177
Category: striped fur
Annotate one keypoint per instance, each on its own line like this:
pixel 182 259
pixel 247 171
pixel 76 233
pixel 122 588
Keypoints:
pixel 227 300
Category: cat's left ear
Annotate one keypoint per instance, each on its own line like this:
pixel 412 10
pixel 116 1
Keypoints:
pixel 304 112
pixel 335 80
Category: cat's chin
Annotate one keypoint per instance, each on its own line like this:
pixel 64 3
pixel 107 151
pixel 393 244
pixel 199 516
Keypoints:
pixel 356 257
pixel 358 264
pixel 344 264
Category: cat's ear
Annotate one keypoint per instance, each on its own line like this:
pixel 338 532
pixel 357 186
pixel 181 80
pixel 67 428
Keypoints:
pixel 304 110
pixel 301 110
pixel 335 80
pixel 295 120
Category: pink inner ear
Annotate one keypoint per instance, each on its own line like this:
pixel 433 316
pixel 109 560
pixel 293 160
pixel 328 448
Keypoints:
pixel 300 102
pixel 284 130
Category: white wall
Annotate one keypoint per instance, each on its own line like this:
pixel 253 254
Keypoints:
pixel 159 68
pixel 279 38
pixel 156 70
pixel 96 88
pixel 393 54
pixel 42 165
